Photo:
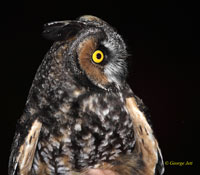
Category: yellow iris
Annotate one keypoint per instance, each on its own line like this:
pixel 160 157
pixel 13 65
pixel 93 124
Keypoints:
pixel 98 56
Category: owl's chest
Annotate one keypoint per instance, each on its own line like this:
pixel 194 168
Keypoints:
pixel 100 130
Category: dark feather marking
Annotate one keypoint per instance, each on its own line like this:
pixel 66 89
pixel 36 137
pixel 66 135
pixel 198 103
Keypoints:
pixel 141 129
pixel 143 141
pixel 31 139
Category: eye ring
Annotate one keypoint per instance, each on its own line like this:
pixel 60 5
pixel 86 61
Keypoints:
pixel 97 56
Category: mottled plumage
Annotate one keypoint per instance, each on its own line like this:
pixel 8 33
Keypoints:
pixel 81 117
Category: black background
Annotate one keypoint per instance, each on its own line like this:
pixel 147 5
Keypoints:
pixel 163 39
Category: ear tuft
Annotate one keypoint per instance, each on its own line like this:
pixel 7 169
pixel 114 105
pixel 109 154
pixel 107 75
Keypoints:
pixel 61 30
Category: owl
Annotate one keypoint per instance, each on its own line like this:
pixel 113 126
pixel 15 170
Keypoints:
pixel 81 117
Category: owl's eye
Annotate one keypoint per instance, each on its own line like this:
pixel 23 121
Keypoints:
pixel 98 56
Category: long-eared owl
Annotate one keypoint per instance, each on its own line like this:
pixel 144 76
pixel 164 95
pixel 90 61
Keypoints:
pixel 81 117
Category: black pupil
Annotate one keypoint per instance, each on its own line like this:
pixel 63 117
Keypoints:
pixel 98 56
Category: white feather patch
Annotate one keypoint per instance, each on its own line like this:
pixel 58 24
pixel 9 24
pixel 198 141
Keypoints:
pixel 27 150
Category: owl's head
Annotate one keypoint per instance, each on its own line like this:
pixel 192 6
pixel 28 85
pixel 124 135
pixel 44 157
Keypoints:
pixel 96 53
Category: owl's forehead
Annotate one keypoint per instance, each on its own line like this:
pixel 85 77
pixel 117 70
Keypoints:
pixel 92 19
pixel 113 40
